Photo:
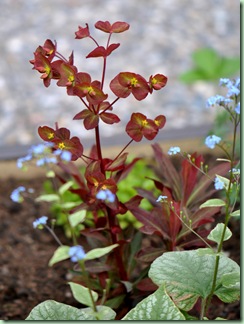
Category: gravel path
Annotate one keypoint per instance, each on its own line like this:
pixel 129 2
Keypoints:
pixel 162 36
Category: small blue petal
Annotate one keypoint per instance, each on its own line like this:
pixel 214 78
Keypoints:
pixel 40 221
pixel 76 253
pixel 211 141
pixel 38 149
pixel 16 196
pixel 66 156
pixel 217 100
pixel 106 195
pixel 218 184
pixel 161 198
pixel 238 108
pixel 174 150
pixel 21 160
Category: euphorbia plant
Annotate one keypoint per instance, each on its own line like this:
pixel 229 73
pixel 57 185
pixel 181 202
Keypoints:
pixel 105 272
pixel 97 186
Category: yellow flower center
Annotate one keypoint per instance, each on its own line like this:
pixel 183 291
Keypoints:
pixel 71 78
pixel 144 122
pixel 50 136
pixel 133 82
pixel 61 146
pixel 90 90
pixel 156 122
pixel 153 81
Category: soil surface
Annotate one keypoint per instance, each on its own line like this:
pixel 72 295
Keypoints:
pixel 25 278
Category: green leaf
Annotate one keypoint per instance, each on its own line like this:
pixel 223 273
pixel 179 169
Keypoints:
pixel 62 253
pixel 188 275
pixel 48 198
pixel 99 252
pixel 231 280
pixel 116 301
pixel 236 213
pixel 156 307
pixel 216 234
pixel 213 203
pixel 69 204
pixel 65 187
pixel 82 295
pixel 77 217
pixel 103 313
pixel 192 76
pixel 207 60
pixel 50 310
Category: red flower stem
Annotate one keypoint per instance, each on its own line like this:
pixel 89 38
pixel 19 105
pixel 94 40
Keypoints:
pixel 99 150
pixel 117 253
pixel 104 71
pixel 111 104
pixel 121 151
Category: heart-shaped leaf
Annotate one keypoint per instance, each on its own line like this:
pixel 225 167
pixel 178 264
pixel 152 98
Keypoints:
pixel 188 275
pixel 50 310
pixel 156 307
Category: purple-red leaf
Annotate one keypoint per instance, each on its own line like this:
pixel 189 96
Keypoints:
pixel 109 118
pixel 117 27
pixel 82 32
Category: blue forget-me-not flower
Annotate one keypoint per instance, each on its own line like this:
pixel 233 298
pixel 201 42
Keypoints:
pixel 174 150
pixel 106 194
pixel 218 184
pixel 39 222
pixel 212 140
pixel 16 194
pixel 161 198
pixel 76 253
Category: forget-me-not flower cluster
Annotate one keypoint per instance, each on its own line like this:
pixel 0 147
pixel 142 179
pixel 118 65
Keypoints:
pixel 43 155
pixel 230 102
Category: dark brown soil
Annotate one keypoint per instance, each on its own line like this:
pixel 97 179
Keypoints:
pixel 25 278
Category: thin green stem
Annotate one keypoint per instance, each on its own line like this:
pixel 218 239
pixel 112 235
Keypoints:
pixel 53 234
pixel 203 305
pixel 82 266
pixel 227 217
pixel 190 228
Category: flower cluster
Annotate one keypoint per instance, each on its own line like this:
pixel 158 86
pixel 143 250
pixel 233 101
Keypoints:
pixel 76 253
pixel 42 153
pixel 16 194
pixel 106 194
pixel 39 222
pixel 212 140
pixel 53 66
pixel 174 150
pixel 232 100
